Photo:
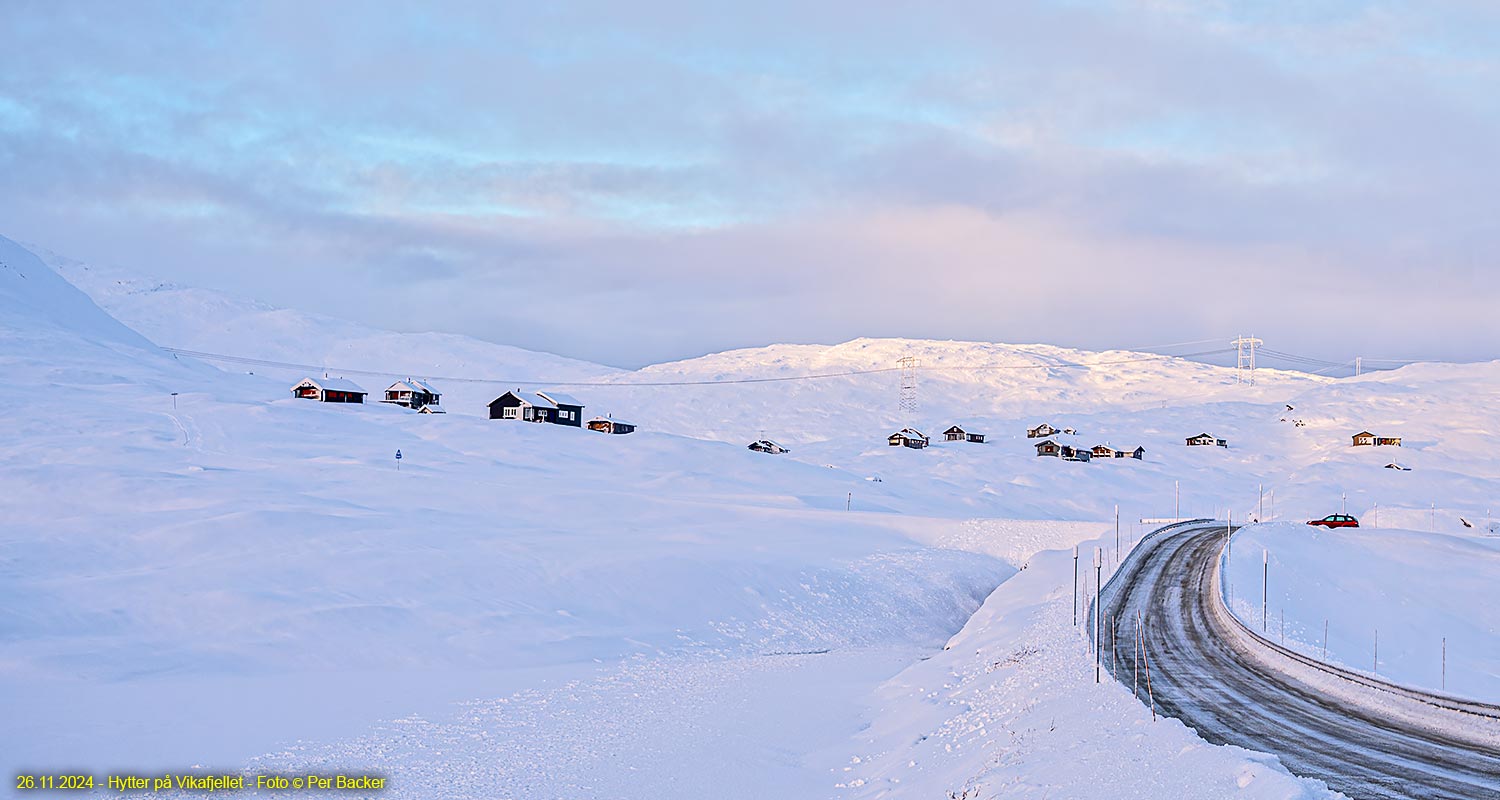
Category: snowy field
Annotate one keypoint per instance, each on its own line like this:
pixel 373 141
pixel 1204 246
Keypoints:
pixel 246 580
pixel 1411 594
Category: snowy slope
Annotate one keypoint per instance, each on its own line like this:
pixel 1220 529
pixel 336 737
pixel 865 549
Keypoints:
pixel 263 553
pixel 1417 589
pixel 204 320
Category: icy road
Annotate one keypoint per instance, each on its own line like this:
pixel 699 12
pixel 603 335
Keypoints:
pixel 1205 675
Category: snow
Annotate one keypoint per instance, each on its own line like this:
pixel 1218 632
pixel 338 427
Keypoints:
pixel 598 601
pixel 1416 588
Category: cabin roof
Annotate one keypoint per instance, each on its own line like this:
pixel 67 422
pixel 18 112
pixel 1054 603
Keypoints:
pixel 333 384
pixel 414 385
pixel 615 420
pixel 528 398
pixel 560 399
pixel 1367 433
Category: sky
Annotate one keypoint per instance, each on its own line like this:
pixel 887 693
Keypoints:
pixel 636 182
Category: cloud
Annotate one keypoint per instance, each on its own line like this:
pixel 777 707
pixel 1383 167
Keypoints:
pixel 644 182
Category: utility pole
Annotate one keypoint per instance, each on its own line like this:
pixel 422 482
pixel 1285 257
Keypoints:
pixel 1359 363
pixel 1445 664
pixel 1245 361
pixel 1325 640
pixel 1176 501
pixel 1376 668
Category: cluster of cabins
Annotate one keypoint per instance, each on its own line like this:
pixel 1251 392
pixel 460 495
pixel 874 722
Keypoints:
pixel 543 406
pixel 916 440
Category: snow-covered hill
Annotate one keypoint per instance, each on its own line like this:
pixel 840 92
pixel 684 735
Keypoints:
pixel 265 554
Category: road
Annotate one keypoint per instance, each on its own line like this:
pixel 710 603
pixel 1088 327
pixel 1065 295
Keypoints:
pixel 1200 676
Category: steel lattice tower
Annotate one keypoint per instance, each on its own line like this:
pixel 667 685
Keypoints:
pixel 1245 367
pixel 909 366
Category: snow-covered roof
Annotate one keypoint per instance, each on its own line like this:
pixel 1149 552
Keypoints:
pixel 334 384
pixel 1364 433
pixel 531 398
pixel 411 385
pixel 431 408
pixel 615 420
pixel 560 399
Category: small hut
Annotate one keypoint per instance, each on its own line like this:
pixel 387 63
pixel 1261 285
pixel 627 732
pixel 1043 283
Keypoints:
pixel 610 425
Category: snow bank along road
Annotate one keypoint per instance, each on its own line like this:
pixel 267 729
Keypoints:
pixel 1206 674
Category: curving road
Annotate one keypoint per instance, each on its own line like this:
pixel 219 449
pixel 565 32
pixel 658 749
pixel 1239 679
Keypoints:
pixel 1200 675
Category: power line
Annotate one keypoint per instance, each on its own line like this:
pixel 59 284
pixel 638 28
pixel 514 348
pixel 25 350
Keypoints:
pixel 260 362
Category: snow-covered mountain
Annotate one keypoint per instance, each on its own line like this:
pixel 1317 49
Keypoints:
pixel 266 554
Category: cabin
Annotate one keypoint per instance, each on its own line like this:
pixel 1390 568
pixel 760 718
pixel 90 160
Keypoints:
pixel 1048 448
pixel 1387 441
pixel 1041 431
pixel 908 437
pixel 610 425
pixel 523 406
pixel 1104 451
pixel 767 446
pixel 1070 431
pixel 1206 440
pixel 431 408
pixel 569 410
pixel 1071 453
pixel 412 393
pixel 1364 439
pixel 1394 465
pixel 329 390
pixel 958 434
pixel 1139 454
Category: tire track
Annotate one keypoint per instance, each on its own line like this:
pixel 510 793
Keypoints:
pixel 1200 678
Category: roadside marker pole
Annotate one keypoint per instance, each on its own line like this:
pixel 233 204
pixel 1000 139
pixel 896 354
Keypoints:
pixel 1075 585
pixel 1135 656
pixel 1325 640
pixel 1265 586
pixel 1098 594
pixel 1147 657
pixel 1445 664
pixel 1376 668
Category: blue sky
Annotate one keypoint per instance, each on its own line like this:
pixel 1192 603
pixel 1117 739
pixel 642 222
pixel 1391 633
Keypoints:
pixel 636 182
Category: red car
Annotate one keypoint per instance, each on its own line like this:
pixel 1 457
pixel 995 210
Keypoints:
pixel 1336 521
